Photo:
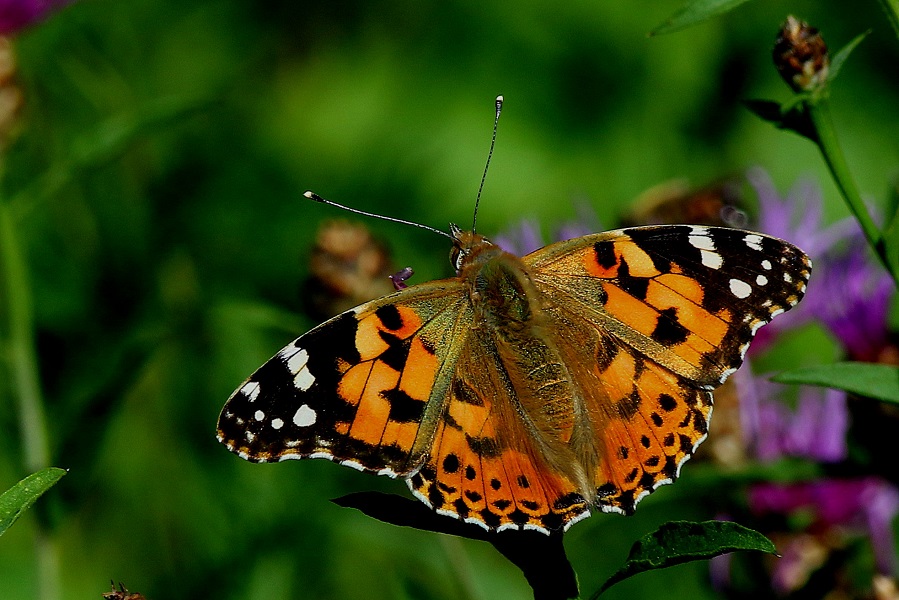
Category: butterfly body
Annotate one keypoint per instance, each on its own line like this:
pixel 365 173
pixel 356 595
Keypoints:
pixel 523 392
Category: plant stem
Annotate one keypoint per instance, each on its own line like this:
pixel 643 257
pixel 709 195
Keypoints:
pixel 891 8
pixel 21 362
pixel 819 114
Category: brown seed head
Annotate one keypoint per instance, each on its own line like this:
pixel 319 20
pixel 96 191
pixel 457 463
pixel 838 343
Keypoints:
pixel 800 55
pixel 10 94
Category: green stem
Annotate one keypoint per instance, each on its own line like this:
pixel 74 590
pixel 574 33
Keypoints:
pixel 819 114
pixel 21 352
pixel 21 363
pixel 891 8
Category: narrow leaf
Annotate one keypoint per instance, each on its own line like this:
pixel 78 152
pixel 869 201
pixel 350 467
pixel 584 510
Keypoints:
pixel 791 116
pixel 695 12
pixel 836 63
pixel 678 542
pixel 767 110
pixel 21 496
pixel 865 379
pixel 890 238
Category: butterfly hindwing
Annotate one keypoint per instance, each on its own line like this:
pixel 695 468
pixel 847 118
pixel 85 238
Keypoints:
pixel 486 465
pixel 355 389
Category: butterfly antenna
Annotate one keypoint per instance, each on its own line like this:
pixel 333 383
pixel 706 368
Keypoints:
pixel 313 196
pixel 499 109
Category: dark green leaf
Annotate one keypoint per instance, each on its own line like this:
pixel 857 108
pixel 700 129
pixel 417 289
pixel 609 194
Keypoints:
pixel 695 12
pixel 21 496
pixel 866 379
pixel 682 541
pixel 540 557
pixel 791 116
pixel 766 109
pixel 836 63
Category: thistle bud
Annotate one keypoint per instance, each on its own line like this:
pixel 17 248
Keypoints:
pixel 800 55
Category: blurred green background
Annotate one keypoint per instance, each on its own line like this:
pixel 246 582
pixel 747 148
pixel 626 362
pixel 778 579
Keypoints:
pixel 156 186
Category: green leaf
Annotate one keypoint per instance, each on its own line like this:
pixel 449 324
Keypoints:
pixel 866 379
pixel 21 496
pixel 890 236
pixel 695 12
pixel 767 110
pixel 836 63
pixel 678 542
pixel 791 115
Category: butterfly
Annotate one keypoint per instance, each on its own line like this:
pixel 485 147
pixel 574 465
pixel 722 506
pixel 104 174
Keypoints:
pixel 524 392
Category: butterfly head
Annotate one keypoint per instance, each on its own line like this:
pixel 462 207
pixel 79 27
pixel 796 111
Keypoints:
pixel 470 247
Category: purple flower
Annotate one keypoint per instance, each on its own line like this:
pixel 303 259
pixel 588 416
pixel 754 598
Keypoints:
pixel 797 218
pixel 852 296
pixel 816 429
pixel 18 14
pixel 869 504
pixel 524 237
pixel 849 292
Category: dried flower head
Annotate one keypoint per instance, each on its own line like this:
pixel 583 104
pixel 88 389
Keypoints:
pixel 800 55
pixel 10 94
pixel 348 266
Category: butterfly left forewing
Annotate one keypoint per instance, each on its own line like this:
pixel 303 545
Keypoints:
pixel 356 389
pixel 688 297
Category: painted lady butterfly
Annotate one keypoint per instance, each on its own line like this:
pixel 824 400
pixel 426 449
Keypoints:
pixel 524 391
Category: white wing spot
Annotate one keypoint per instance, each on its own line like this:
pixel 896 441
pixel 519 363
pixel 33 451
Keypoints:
pixel 277 423
pixel 304 416
pixel 761 280
pixel 250 390
pixel 304 380
pixel 701 242
pixel 740 289
pixel 754 241
pixel 259 416
pixel 711 259
pixel 766 264
pixel 297 360
pixel 788 278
